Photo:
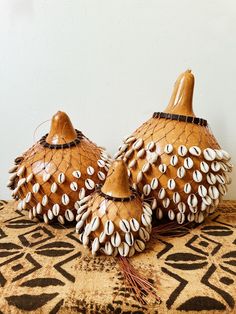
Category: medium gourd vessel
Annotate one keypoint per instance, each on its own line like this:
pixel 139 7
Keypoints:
pixel 62 168
pixel 114 220
pixel 175 161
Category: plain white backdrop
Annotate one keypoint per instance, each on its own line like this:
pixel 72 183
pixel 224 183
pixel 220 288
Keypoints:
pixel 110 64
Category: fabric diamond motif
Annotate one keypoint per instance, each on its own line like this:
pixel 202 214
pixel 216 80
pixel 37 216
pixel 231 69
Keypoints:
pixel 35 236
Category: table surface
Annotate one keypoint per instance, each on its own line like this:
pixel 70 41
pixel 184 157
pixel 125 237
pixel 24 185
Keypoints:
pixel 44 269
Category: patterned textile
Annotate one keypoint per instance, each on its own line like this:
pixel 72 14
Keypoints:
pixel 44 269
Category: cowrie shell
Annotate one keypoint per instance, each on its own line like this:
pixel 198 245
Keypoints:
pixel 222 189
pixel 154 183
pixel 95 246
pixel 174 160
pixel 50 214
pixel 39 208
pixel 207 200
pixel 187 188
pixel 152 158
pixel 101 163
pixel 144 235
pixel 146 220
pixel 108 248
pixel 90 171
pixel 54 187
pixel 213 192
pixel 211 178
pixel 176 198
pixel 190 217
pixel 116 239
pixel 146 167
pixel 161 193
pixel 61 219
pixel 226 155
pixel 28 197
pixel 154 204
pixel 101 175
pixel 182 150
pixel 197 176
pixel 45 200
pixel 166 202
pixel 202 191
pixel 199 217
pixel 129 238
pixel 123 249
pixel 109 227
pixel 151 146
pixel 171 184
pixel 134 224
pixel 192 200
pixel 215 166
pixel 21 182
pixel 130 139
pixel 171 214
pixel 180 218
pixel 74 186
pixel 45 218
pixel 219 154
pixel 76 174
pixel 132 163
pixel 36 187
pixel 56 209
pixel 188 163
pixel 124 225
pixel 204 167
pixel 195 151
pixel 162 168
pixel 139 245
pixel 220 179
pixel 147 209
pixel 61 178
pixel 46 177
pixel 102 237
pixel 12 169
pixel 168 148
pixel 20 171
pixel 141 153
pixel 159 214
pixel 209 154
pixel 65 199
pixel 89 184
pixel 181 172
pixel 79 225
pixel 138 144
pixel 181 207
pixel 95 222
pixel 139 177
pixel 146 189
pixel 29 178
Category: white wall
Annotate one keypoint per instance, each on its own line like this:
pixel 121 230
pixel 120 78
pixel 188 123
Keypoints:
pixel 109 64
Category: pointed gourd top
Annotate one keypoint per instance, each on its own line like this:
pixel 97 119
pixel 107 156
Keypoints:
pixel 181 99
pixel 62 130
pixel 117 181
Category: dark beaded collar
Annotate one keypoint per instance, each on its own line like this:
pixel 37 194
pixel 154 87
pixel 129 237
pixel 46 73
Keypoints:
pixel 180 117
pixel 43 142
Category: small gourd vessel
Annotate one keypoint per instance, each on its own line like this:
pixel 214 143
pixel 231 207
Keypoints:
pixel 175 161
pixel 114 220
pixel 57 172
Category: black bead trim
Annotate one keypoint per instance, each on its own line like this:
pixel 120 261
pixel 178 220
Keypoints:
pixel 117 199
pixel 43 142
pixel 180 117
